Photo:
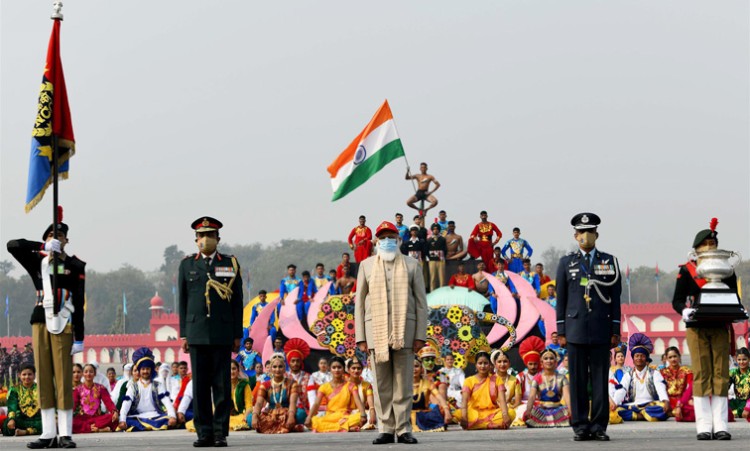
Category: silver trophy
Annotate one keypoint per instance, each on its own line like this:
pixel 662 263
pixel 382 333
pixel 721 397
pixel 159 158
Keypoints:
pixel 717 301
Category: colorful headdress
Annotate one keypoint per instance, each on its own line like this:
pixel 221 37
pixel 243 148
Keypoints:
pixel 296 347
pixel 496 354
pixel 531 349
pixel 639 343
pixel 143 357
pixel 430 349
pixel 622 347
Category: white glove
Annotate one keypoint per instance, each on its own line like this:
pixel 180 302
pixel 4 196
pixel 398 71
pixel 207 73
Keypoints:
pixel 687 314
pixel 77 347
pixel 52 245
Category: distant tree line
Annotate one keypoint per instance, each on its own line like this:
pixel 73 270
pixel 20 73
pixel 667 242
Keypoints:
pixel 262 268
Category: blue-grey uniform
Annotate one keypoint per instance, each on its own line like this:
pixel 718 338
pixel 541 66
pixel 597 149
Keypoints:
pixel 588 316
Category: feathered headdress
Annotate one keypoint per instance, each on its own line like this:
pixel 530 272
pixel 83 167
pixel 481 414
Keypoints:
pixel 143 357
pixel 710 232
pixel 638 342
pixel 531 349
pixel 296 347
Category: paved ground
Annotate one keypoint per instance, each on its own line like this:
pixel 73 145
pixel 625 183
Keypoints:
pixel 633 437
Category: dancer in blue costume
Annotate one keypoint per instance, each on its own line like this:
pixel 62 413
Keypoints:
pixel 259 308
pixel 516 246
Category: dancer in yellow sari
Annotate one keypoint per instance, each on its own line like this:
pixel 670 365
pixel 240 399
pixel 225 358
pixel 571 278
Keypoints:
pixel 483 396
pixel 242 399
pixel 364 389
pixel 344 408
pixel 505 376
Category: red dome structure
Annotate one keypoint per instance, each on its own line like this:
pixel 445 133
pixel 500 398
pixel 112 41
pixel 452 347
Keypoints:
pixel 157 302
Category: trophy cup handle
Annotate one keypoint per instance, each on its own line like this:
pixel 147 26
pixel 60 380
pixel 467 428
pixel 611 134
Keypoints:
pixel 736 255
pixel 692 255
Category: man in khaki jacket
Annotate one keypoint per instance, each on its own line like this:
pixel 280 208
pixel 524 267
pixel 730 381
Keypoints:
pixel 390 326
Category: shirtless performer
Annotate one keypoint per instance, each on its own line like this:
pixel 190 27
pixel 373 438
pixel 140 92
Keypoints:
pixel 455 243
pixel 423 189
pixel 481 284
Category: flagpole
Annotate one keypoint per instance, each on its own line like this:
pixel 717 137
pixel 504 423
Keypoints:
pixel 56 15
pixel 406 160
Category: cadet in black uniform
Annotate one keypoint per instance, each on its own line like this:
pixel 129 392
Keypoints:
pixel 588 323
pixel 708 342
pixel 210 329
pixel 55 342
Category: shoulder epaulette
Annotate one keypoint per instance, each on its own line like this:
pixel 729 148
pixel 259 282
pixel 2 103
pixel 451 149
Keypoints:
pixel 77 262
pixel 189 256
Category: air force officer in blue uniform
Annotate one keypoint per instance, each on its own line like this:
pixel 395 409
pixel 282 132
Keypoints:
pixel 588 323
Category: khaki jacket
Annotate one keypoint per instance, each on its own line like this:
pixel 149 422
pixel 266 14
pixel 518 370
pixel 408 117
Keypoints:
pixel 416 310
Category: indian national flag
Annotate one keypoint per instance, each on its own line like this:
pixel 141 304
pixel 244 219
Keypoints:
pixel 375 146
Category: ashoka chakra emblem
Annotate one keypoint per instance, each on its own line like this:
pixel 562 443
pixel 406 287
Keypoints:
pixel 360 154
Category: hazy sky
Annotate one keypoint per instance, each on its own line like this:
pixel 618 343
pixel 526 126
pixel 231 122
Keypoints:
pixel 532 110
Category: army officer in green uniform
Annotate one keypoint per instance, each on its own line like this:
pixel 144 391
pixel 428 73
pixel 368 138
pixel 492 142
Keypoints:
pixel 210 329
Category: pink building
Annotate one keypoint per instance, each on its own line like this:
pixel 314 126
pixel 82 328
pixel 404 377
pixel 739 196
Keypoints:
pixel 115 350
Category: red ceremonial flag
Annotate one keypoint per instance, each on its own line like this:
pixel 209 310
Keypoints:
pixel 52 121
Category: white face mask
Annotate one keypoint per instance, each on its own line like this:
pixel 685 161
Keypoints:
pixel 388 248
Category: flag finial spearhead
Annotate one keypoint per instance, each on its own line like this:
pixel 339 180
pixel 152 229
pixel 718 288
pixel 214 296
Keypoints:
pixel 57 11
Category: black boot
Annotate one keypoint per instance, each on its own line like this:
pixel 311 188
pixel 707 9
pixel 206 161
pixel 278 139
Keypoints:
pixel 43 443
pixel 66 442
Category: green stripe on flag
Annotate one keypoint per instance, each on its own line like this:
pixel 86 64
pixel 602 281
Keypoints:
pixel 369 167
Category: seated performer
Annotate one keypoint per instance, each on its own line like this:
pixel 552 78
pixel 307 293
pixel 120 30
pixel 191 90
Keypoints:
pixel 549 397
pixel 146 406
pixel 616 373
pixel 678 379
pixel 530 351
pixel 77 374
pixel 505 375
pixel 24 416
pixel 274 411
pixel 262 303
pixel 454 377
pixel 317 379
pixel 88 398
pixel 739 380
pixel 427 402
pixel 118 393
pixel 503 278
pixel 355 368
pixel 307 290
pixel 484 405
pixel 247 358
pixel 516 246
pixel 242 399
pixel 461 279
pixel 297 351
pixel 185 406
pixel 343 406
pixel 645 388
